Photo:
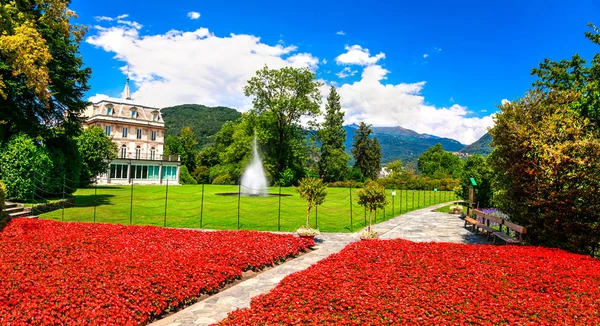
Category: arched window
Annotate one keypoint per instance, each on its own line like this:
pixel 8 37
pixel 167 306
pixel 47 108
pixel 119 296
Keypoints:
pixel 138 153
pixel 124 151
pixel 152 153
pixel 109 110
pixel 134 113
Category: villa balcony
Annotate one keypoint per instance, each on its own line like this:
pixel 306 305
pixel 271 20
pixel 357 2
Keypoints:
pixel 148 157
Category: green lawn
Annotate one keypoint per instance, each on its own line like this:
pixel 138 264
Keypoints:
pixel 446 209
pixel 188 207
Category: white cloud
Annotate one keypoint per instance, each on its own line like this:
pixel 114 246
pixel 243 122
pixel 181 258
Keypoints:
pixel 197 66
pixel 346 72
pixel 102 18
pixel 380 104
pixel 324 61
pixel 341 33
pixel 356 55
pixel 123 16
pixel 505 101
pixel 193 15
pixel 425 56
pixel 437 49
pixel 451 99
pixel 135 25
pixel 484 111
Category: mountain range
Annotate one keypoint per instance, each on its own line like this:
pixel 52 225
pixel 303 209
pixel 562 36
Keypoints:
pixel 396 142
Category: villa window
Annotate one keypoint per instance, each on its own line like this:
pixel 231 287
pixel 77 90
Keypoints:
pixel 138 153
pixel 152 153
pixel 139 134
pixel 153 135
pixel 134 114
pixel 107 130
pixel 155 117
pixel 109 110
pixel 125 130
pixel 123 151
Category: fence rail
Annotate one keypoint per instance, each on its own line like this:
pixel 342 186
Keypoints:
pixel 223 207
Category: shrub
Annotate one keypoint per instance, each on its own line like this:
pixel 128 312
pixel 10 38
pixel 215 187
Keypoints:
pixel 372 197
pixel 185 177
pixel 201 174
pixel 314 191
pixel 225 179
pixel 96 150
pixel 22 161
pixel 2 197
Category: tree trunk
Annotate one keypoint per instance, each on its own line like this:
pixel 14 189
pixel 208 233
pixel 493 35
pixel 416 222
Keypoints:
pixel 307 216
pixel 370 215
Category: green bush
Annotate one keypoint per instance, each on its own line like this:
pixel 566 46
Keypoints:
pixel 2 197
pixel 22 161
pixel 201 174
pixel 185 177
pixel 225 179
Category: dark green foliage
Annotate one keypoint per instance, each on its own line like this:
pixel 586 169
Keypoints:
pixel 183 145
pixel 483 146
pixel 204 121
pixel 224 179
pixel 409 180
pixel 66 166
pixel 185 177
pixel 2 197
pixel 21 110
pixel 333 161
pixel 366 152
pixel 201 174
pixel 477 167
pixel 354 174
pixel 436 162
pixel 22 161
pixel 96 150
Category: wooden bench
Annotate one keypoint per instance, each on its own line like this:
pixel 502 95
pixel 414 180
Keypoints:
pixel 517 229
pixel 471 221
pixel 485 227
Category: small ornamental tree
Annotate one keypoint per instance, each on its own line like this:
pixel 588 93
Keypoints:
pixel 372 197
pixel 314 191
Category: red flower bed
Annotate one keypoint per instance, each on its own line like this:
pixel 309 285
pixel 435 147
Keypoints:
pixel 402 282
pixel 101 274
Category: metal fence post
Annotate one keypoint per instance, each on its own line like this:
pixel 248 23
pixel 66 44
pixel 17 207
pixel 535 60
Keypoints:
pixel 239 198
pixel 393 193
pixel 316 216
pixel 131 205
pixel 202 205
pixel 351 226
pixel 33 188
pixel 166 202
pixel 63 199
pixel 413 200
pixel 279 211
pixel 365 215
pixel 95 199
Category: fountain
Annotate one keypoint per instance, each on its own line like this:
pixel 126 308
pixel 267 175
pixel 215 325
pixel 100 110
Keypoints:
pixel 254 181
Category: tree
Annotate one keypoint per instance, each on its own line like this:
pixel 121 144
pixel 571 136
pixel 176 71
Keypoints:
pixel 547 170
pixel 23 166
pixel 366 152
pixel 395 168
pixel 477 167
pixel 372 197
pixel 314 191
pixel 333 161
pixel 281 98
pixel 96 150
pixel 42 82
pixel 436 162
pixel 183 145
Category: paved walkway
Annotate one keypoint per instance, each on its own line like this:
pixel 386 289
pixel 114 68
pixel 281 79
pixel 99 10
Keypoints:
pixel 419 225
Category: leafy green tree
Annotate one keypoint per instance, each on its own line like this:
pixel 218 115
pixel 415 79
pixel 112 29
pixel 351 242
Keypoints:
pixel 395 168
pixel 436 162
pixel 96 150
pixel 314 191
pixel 333 161
pixel 281 98
pixel 23 162
pixel 42 79
pixel 2 199
pixel 201 174
pixel 372 197
pixel 547 170
pixel 477 167
pixel 183 145
pixel 185 177
pixel 366 152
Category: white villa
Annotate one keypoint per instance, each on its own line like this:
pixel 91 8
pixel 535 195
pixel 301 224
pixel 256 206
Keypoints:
pixel 139 132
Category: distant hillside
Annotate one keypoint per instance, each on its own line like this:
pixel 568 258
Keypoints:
pixel 483 146
pixel 204 121
pixel 402 143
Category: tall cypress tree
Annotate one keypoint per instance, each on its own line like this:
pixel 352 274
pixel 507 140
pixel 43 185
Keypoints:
pixel 366 152
pixel 333 161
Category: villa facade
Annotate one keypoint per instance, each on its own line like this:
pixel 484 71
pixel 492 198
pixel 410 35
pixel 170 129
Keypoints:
pixel 139 132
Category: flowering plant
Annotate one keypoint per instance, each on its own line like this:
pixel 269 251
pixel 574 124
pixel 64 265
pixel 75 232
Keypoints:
pixel 368 234
pixel 307 231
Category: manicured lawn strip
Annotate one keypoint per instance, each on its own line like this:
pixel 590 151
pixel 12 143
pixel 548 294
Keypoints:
pixel 101 274
pixel 111 204
pixel 383 282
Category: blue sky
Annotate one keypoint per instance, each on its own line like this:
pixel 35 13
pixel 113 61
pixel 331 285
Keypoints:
pixel 437 67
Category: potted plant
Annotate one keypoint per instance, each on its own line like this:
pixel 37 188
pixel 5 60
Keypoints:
pixel 371 196
pixel 314 191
